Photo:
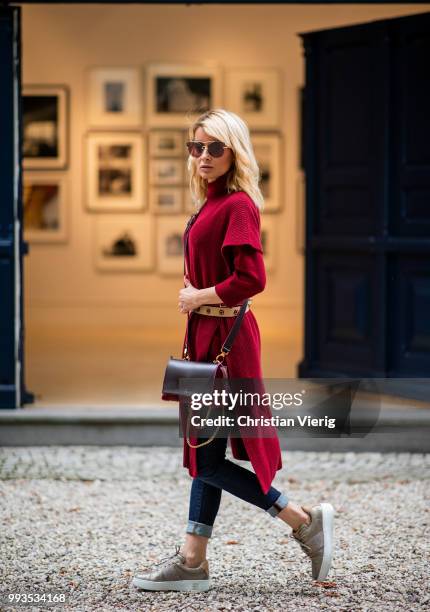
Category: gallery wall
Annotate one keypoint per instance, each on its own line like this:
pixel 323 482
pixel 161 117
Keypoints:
pixel 62 284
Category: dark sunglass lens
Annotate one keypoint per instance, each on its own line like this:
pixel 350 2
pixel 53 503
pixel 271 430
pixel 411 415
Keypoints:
pixel 195 148
pixel 216 149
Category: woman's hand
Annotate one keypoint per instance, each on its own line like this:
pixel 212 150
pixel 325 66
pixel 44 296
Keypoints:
pixel 189 297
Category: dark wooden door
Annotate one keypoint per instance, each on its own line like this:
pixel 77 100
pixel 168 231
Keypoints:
pixel 367 164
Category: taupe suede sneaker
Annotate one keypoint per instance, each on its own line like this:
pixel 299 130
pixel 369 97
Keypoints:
pixel 171 574
pixel 316 539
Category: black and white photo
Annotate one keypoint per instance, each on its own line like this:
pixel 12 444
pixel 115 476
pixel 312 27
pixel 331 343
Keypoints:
pixel 255 95
pixel 124 242
pixel 170 256
pixel 114 97
pixel 267 148
pixel 166 143
pixel 166 172
pixel 176 93
pixel 115 172
pixel 45 127
pixel 165 200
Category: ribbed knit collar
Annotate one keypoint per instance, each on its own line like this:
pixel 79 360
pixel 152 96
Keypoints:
pixel 218 186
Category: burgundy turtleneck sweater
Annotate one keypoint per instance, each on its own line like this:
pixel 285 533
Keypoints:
pixel 224 245
pixel 225 251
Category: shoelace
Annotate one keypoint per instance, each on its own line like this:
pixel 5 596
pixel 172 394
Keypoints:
pixel 164 559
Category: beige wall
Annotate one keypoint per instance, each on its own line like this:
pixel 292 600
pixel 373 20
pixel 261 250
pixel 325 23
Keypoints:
pixel 59 42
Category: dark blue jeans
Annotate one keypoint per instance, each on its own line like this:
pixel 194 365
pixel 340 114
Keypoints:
pixel 216 473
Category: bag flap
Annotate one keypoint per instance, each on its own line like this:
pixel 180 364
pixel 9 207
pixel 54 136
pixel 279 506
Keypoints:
pixel 183 377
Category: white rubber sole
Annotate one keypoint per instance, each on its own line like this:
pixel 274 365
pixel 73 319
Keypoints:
pixel 327 525
pixel 172 585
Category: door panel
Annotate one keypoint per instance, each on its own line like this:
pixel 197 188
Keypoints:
pixel 347 296
pixel 410 134
pixel 351 100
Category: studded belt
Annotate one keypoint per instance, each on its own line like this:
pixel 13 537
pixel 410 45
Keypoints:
pixel 220 310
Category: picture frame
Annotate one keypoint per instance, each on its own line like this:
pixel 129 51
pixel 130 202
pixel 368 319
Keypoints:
pixel 115 164
pixel 186 138
pixel 114 97
pixel 166 200
pixel 170 257
pixel 269 241
pixel 166 172
pixel 166 143
pixel 177 93
pixel 189 206
pixel 45 118
pixel 45 200
pixel 255 95
pixel 124 243
pixel 267 149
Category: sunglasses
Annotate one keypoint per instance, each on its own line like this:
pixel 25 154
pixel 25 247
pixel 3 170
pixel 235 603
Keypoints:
pixel 215 148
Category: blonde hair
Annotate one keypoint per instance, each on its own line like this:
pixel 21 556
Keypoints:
pixel 244 175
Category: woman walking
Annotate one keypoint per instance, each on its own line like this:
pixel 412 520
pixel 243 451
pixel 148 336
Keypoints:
pixel 225 266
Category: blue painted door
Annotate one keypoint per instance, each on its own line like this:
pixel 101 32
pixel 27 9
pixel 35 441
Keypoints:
pixel 367 164
pixel 12 246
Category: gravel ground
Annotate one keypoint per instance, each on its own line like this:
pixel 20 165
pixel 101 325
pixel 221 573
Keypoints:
pixel 82 520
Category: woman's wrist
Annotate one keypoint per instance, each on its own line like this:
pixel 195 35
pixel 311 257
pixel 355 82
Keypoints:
pixel 208 296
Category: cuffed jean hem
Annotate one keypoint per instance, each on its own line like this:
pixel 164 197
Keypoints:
pixel 278 505
pixel 199 529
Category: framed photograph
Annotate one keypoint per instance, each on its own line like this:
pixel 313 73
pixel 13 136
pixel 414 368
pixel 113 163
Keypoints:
pixel 45 204
pixel 186 138
pixel 267 148
pixel 166 171
pixel 165 200
pixel 114 97
pixel 124 243
pixel 170 258
pixel 189 206
pixel 268 241
pixel 115 172
pixel 176 94
pixel 45 110
pixel 166 143
pixel 255 95
pixel 186 172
